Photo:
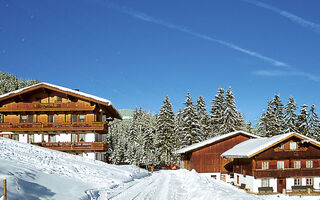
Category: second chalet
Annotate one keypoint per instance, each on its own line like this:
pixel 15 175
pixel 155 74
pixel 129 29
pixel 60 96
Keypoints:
pixel 58 118
pixel 283 163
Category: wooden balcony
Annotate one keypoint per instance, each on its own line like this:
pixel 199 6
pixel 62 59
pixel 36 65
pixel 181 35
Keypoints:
pixel 36 106
pixel 52 127
pixel 287 172
pixel 75 146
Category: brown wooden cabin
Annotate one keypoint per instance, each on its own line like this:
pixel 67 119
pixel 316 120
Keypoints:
pixel 288 162
pixel 58 118
pixel 205 157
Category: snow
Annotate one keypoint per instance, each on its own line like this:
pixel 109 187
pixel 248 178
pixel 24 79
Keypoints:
pixel 212 140
pixel 34 172
pixel 59 88
pixel 252 146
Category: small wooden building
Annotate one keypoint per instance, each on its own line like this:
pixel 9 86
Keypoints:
pixel 205 156
pixel 58 118
pixel 288 162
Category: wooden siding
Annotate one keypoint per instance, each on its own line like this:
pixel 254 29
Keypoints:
pixel 305 151
pixel 208 159
pixel 52 127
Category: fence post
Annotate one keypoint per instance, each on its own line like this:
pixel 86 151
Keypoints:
pixel 4 189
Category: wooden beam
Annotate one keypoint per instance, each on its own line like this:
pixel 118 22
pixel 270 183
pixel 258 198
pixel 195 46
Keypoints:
pixel 4 189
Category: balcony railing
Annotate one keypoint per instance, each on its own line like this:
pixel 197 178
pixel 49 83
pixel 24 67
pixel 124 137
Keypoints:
pixel 287 172
pixel 70 126
pixel 70 106
pixel 75 146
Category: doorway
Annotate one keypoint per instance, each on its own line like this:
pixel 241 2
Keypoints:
pixel 281 184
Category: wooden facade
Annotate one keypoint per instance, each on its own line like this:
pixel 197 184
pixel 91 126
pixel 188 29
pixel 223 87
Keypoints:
pixel 52 111
pixel 295 158
pixel 207 158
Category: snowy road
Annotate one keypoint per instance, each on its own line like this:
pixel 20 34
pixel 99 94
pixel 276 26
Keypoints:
pixel 175 185
pixel 184 185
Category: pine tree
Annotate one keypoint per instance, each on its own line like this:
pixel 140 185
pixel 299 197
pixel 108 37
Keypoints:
pixel 302 120
pixel 290 116
pixel 217 112
pixel 9 82
pixel 314 128
pixel 165 121
pixel 190 126
pixel 232 118
pixel 203 116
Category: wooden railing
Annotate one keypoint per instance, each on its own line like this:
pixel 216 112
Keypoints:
pixel 287 172
pixel 71 126
pixel 70 106
pixel 74 146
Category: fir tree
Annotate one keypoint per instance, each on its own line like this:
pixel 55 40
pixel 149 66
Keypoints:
pixel 302 120
pixel 203 116
pixel 290 116
pixel 165 121
pixel 313 123
pixel 190 126
pixel 217 112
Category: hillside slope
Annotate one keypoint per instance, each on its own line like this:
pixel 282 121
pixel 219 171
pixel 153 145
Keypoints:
pixel 34 172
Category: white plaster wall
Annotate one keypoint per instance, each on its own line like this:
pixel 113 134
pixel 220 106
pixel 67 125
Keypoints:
pixel 316 182
pixel 289 183
pixel 273 183
pixel 63 137
pixel 90 155
pixel 89 137
pixel 256 185
pixel 37 138
pixel 23 138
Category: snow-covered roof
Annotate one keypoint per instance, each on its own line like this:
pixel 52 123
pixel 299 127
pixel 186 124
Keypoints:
pixel 212 140
pixel 251 147
pixel 102 100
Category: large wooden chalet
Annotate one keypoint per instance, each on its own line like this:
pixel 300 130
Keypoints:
pixel 205 157
pixel 58 118
pixel 283 163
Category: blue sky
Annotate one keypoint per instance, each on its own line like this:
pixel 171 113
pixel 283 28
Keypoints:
pixel 137 52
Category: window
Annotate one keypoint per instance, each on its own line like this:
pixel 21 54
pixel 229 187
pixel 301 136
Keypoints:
pixel 309 164
pixel 74 118
pixel 265 182
pixel 293 146
pixel 74 137
pixel 14 137
pixel 50 118
pixel 81 138
pixel 52 138
pixel 59 99
pixel 30 118
pixel 281 146
pixel 23 118
pixel 280 164
pixel 265 165
pixel 31 138
pixel 309 181
pixel 1 118
pixel 297 164
pixel 297 181
pixel 81 118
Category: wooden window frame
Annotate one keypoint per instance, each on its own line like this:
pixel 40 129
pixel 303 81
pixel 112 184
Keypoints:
pixel 265 165
pixel 265 180
pixel 293 146
pixel 23 120
pixel 297 181
pixel 296 165
pixel 309 164
pixel 278 164
pixel 310 178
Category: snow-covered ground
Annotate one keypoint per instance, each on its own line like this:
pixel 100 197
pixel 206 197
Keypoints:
pixel 37 173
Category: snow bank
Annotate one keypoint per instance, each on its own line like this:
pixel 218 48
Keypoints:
pixel 201 188
pixel 56 175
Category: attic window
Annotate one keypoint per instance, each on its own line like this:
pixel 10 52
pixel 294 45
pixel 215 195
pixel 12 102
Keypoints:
pixel 281 146
pixel 293 146
pixel 59 99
